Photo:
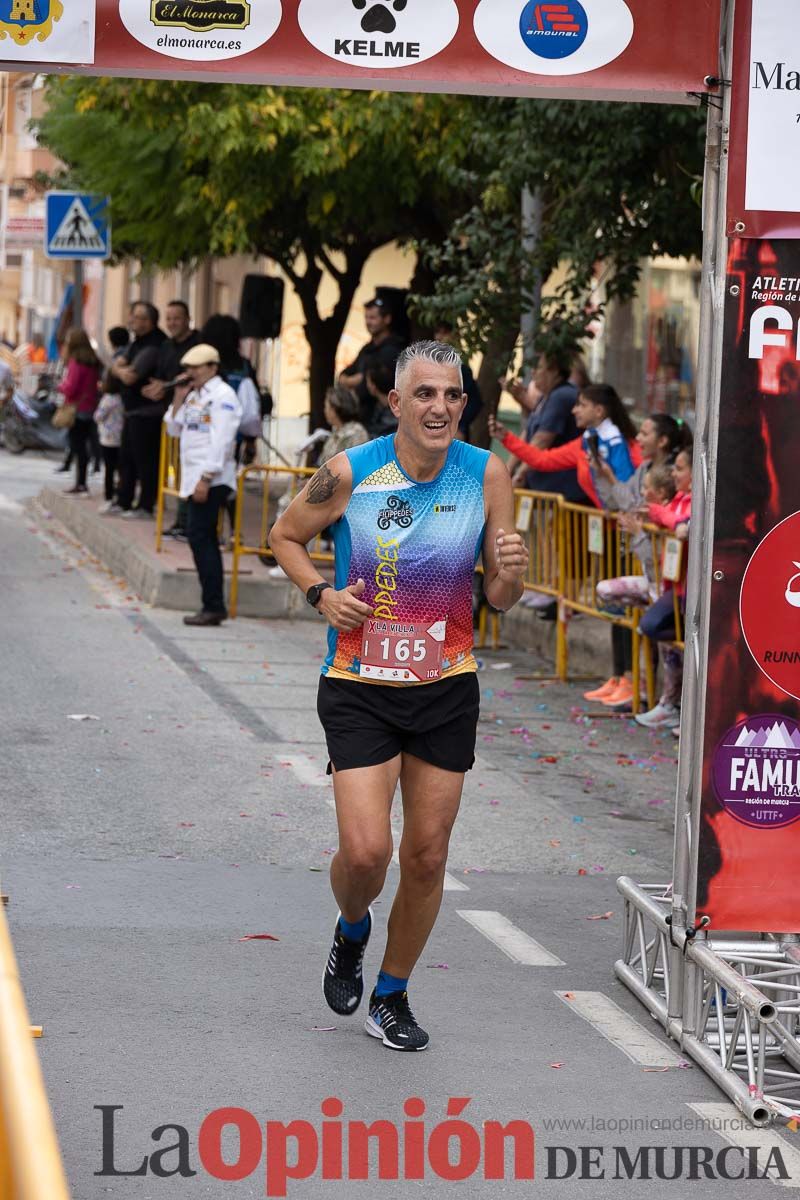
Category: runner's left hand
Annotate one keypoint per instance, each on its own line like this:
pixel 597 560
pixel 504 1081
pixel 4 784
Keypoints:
pixel 512 557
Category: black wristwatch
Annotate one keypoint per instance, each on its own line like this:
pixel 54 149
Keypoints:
pixel 314 592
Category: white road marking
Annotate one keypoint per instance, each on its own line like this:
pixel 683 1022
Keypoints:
pixel 621 1029
pixel 10 506
pixel 519 947
pixel 451 884
pixel 726 1119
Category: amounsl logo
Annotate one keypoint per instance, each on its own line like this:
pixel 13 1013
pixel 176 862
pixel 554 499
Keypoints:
pixel 562 37
pixel 24 20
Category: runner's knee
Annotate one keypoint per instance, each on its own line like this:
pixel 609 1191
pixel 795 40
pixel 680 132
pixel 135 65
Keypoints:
pixel 367 858
pixel 424 864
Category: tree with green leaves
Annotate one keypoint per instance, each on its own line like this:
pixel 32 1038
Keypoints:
pixel 318 179
pixel 616 183
pixel 315 180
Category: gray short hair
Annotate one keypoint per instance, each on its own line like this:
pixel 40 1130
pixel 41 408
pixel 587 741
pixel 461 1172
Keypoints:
pixel 433 352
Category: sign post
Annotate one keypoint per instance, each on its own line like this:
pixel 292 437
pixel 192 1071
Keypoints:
pixel 77 227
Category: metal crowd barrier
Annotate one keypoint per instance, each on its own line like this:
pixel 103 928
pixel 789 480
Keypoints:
pixel 169 478
pixel 595 548
pixel 30 1162
pixel 275 487
pixel 571 549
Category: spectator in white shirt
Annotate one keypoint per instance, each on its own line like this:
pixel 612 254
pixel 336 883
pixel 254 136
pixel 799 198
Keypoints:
pixel 206 421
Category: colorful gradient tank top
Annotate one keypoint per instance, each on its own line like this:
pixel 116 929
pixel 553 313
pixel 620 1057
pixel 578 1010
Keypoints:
pixel 415 545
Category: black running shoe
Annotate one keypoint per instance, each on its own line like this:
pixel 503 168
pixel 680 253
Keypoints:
pixel 342 982
pixel 391 1019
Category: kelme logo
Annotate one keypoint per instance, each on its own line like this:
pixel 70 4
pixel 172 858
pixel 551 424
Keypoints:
pixel 379 33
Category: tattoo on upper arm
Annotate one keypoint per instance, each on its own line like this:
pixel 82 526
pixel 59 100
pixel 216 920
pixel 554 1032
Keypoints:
pixel 322 486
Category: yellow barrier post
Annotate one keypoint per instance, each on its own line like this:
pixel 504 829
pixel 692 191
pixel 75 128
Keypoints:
pixel 30 1162
pixel 295 476
pixel 169 478
pixel 237 537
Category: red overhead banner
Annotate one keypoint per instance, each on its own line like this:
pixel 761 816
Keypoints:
pixel 653 50
pixel 764 179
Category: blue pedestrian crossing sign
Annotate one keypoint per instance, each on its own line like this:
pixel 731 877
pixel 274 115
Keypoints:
pixel 77 226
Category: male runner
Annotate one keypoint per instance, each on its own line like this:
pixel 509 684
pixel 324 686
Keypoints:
pixel 398 698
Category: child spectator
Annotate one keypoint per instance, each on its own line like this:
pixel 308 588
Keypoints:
pixel 658 622
pixel 608 436
pixel 659 439
pixel 110 418
pixel 635 591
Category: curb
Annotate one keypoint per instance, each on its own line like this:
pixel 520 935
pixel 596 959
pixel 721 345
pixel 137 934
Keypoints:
pixel 160 586
pixel 163 587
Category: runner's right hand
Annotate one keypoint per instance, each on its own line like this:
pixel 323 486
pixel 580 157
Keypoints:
pixel 343 610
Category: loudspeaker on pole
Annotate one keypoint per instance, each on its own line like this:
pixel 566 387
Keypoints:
pixel 261 306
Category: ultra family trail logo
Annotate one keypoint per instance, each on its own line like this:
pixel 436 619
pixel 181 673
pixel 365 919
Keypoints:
pixel 26 20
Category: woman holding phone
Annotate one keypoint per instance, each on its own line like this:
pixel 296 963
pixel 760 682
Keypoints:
pixel 607 447
pixel 608 437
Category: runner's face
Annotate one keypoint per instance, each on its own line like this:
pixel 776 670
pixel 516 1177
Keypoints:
pixel 429 404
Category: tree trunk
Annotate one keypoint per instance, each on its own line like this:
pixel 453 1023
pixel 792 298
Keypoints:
pixel 423 283
pixel 499 351
pixel 323 335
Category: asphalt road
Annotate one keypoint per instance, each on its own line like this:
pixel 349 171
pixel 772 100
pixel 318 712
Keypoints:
pixel 140 846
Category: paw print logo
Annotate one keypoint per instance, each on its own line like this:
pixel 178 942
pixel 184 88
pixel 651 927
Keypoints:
pixel 379 18
pixel 377 34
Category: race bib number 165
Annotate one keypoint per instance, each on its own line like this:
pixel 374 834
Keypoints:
pixel 402 651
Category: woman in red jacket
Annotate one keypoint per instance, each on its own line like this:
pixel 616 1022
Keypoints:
pixel 609 436
pixel 80 387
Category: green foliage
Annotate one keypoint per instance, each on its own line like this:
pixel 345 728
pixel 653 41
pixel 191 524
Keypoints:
pixel 198 168
pixel 616 185
pixel 318 179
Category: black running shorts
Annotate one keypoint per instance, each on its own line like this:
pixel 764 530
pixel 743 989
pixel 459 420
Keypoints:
pixel 370 723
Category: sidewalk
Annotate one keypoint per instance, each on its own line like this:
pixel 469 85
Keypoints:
pixel 165 579
pixel 168 580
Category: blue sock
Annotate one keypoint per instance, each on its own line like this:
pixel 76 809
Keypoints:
pixel 357 932
pixel 389 983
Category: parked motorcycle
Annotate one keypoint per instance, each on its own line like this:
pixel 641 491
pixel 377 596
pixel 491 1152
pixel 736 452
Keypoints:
pixel 26 422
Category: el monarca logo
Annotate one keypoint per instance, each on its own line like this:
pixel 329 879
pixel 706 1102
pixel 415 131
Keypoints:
pixel 201 30
pixel 201 14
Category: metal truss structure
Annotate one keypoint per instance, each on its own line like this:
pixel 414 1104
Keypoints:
pixel 731 1003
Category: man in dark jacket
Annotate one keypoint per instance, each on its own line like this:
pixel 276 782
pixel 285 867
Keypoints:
pixel 382 349
pixel 181 338
pixel 141 434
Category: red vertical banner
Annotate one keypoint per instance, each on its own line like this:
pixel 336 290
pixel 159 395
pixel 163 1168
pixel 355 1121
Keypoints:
pixel 750 818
